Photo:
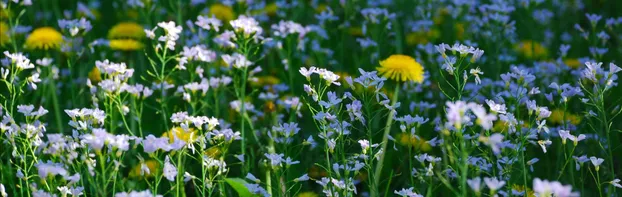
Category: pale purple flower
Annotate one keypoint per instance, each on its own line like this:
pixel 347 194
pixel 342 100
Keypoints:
pixel 546 188
pixel 208 23
pixel 475 184
pixel 169 171
pixel 596 162
pixel 494 184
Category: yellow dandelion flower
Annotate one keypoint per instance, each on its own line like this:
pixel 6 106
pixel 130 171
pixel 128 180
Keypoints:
pixel 557 117
pixel 95 75
pixel 125 30
pixel 532 50
pixel 213 152
pixel 459 28
pixel 137 170
pixel 5 13
pixel 401 68
pixel 265 80
pixel 125 45
pixel 502 127
pixel 221 12
pixel 308 194
pixel 499 126
pixel 422 37
pixel 186 136
pixel 439 18
pixel 4 34
pixel 573 63
pixel 320 8
pixel 414 141
pixel 271 9
pixel 44 38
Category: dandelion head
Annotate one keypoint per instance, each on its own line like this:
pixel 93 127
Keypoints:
pixel 557 117
pixel 146 169
pixel 308 194
pixel 125 45
pixel 126 30
pixel 355 31
pixel 265 80
pixel 532 50
pixel 177 132
pixel 95 75
pixel 401 68
pixel 414 141
pixel 44 38
pixel 221 12
pixel 4 36
pixel 271 9
pixel 573 63
pixel 422 37
pixel 213 152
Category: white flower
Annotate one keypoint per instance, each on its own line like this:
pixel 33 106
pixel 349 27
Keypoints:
pixel 208 23
pixel 188 177
pixel 542 126
pixel 44 61
pixel 544 143
pixel 224 39
pixel 237 60
pixel 172 34
pixel 307 72
pixel 22 62
pixel 2 191
pixel 285 28
pixel 150 33
pixel 483 119
pixel 144 169
pixel 616 183
pixel 494 141
pixel 497 108
pixel 364 145
pixel 64 190
pixel 476 72
pixel 247 25
pixel 407 192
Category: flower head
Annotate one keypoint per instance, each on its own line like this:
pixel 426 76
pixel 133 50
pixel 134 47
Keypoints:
pixel 126 30
pixel 125 45
pixel 44 38
pixel 221 12
pixel 401 68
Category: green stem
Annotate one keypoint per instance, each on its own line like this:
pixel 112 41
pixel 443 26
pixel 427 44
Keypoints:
pixel 58 117
pixel 385 136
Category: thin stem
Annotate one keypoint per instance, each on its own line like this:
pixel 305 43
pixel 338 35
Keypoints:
pixel 385 136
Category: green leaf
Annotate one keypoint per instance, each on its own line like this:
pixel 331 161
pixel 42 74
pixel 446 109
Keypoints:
pixel 238 185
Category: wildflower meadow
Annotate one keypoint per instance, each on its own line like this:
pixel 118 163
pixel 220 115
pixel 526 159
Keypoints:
pixel 310 98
